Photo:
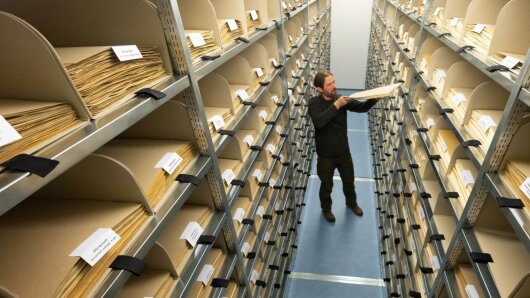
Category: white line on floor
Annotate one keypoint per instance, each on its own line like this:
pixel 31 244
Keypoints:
pixel 339 278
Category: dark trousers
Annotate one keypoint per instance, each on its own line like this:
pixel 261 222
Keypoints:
pixel 325 169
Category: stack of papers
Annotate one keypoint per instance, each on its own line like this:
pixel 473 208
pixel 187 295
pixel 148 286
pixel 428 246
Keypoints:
pixel 38 123
pixel 457 99
pixel 376 92
pixel 227 165
pixel 179 250
pixel 455 26
pixel 105 82
pixel 231 290
pixel 46 231
pixel 445 145
pixel 253 20
pixel 141 157
pixel 215 258
pixel 515 177
pixel 517 58
pixel 438 15
pixel 240 210
pixel 479 36
pixel 152 283
pixel 212 113
pixel 482 126
pixel 200 43
pixel 463 178
pixel 467 281
pixel 229 29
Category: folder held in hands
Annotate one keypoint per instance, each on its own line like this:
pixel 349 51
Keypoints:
pixel 376 92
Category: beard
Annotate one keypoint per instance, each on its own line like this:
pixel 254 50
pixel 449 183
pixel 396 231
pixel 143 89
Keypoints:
pixel 330 94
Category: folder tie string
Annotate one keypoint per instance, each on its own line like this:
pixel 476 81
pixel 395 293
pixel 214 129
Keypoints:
pixel 151 92
pixel 128 263
pixel 464 48
pixel 210 57
pixel 39 166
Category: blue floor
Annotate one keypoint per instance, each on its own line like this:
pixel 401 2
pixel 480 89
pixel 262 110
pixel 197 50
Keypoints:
pixel 340 259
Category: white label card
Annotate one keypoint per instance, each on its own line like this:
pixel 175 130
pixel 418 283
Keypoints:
pixel 478 28
pixel 389 231
pixel 439 75
pixel 435 264
pixel 275 98
pixel 243 95
pixel 254 276
pixel 267 237
pixel 284 6
pixel 259 72
pixel 272 182
pixel 239 215
pixel 281 157
pixel 413 133
pixel 96 245
pixel 228 176
pixel 232 25
pixel 525 187
pixel 471 291
pixel 280 229
pixel 485 122
pixel 8 134
pixel 298 63
pixel 413 187
pixel 206 274
pixel 245 248
pixel 443 145
pixel 466 177
pixel 437 11
pixel 217 122
pixel 254 15
pixel 192 232
pixel 263 114
pixel 459 98
pixel 290 38
pixel 293 72
pixel 509 62
pixel 430 122
pixel 303 56
pixel 126 53
pixel 169 162
pixel 274 62
pixel 249 140
pixel 258 174
pixel 454 22
pixel 271 148
pixel 196 39
pixel 261 211
pixel 279 129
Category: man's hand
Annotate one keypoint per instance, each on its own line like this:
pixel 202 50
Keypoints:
pixel 342 101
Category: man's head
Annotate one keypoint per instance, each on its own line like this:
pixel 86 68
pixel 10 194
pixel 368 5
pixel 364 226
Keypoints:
pixel 325 84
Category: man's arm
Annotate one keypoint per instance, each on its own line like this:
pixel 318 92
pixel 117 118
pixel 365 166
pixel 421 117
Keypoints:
pixel 320 117
pixel 361 106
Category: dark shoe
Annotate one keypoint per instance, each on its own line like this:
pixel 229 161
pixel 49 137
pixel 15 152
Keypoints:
pixel 356 210
pixel 329 216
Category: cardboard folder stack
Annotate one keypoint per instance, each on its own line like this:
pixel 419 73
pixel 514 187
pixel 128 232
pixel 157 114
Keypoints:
pixel 462 179
pixel 466 277
pixel 215 258
pixel 141 156
pixel 212 112
pixel 38 123
pixel 179 250
pixel 514 176
pixel 479 36
pixel 152 283
pixel 199 48
pixel 457 100
pixel 103 81
pixel 41 233
pixel 445 145
pixel 228 34
pixel 253 20
pixel 455 26
pixel 237 101
pixel 500 56
pixel 482 126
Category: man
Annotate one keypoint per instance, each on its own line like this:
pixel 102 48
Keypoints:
pixel 328 113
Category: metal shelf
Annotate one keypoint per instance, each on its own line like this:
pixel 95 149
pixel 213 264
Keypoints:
pixel 16 186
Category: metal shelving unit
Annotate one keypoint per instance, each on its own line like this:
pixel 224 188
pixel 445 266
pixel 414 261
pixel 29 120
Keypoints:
pixel 287 194
pixel 463 241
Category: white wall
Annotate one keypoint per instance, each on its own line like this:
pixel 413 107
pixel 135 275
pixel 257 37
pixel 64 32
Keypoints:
pixel 350 32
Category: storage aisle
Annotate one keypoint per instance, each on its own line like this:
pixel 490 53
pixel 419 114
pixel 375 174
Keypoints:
pixel 340 259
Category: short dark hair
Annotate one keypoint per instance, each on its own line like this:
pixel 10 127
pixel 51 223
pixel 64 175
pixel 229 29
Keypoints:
pixel 320 78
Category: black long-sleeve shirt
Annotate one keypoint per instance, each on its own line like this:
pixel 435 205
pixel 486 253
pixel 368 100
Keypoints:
pixel 331 134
